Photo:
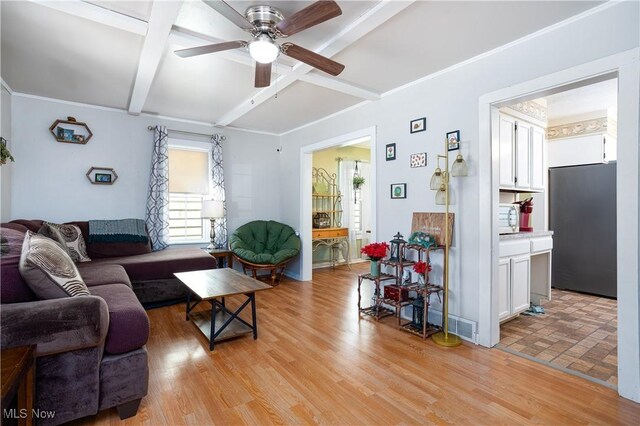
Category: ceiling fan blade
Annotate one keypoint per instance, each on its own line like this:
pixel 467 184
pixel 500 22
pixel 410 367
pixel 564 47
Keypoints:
pixel 210 48
pixel 312 58
pixel 314 14
pixel 263 74
pixel 230 13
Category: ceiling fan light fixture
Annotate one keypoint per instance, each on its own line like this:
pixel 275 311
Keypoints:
pixel 263 49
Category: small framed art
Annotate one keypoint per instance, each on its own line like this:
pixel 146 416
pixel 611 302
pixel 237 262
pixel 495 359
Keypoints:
pixel 418 160
pixel 453 140
pixel 418 125
pixel 391 152
pixel 398 190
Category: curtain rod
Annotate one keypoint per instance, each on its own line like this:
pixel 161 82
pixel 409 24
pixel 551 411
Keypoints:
pixel 184 132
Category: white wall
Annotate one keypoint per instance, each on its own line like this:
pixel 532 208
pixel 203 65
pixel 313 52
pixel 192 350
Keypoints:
pixel 5 170
pixel 49 177
pixel 450 102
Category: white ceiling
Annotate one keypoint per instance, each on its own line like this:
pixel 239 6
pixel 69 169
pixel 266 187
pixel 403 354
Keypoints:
pixel 594 98
pixel 95 52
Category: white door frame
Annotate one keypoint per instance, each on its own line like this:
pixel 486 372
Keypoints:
pixel 306 163
pixel 627 67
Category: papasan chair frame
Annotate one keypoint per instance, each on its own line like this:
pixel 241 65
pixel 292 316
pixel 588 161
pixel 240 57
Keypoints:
pixel 265 246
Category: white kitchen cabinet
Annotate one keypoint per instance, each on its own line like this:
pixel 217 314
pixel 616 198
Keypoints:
pixel 520 283
pixel 504 288
pixel 522 155
pixel 507 151
pixel 524 274
pixel 538 163
pixel 588 149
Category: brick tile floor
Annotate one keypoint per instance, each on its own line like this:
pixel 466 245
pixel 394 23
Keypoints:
pixel 578 332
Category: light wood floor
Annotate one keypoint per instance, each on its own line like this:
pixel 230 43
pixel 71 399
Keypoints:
pixel 315 361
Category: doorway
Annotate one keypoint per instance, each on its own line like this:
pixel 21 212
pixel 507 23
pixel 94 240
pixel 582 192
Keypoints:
pixel 339 155
pixel 568 177
pixel 341 203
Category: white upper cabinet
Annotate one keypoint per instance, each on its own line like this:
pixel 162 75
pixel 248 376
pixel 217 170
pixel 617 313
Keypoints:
pixel 507 151
pixel 538 166
pixel 586 149
pixel 522 155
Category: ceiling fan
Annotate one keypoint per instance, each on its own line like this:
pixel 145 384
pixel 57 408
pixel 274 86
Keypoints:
pixel 266 24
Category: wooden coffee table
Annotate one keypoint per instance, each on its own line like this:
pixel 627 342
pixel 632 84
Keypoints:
pixel 213 285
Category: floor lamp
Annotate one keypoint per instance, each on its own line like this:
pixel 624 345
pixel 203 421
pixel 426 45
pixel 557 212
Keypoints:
pixel 212 209
pixel 440 181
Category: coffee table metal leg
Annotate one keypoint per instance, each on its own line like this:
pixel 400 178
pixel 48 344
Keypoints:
pixel 252 297
pixel 212 338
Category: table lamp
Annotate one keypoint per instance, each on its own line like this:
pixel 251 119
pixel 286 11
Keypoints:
pixel 212 209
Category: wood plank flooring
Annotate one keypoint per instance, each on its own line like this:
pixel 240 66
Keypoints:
pixel 315 361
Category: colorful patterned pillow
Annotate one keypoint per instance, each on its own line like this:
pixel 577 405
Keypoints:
pixel 52 232
pixel 48 270
pixel 74 240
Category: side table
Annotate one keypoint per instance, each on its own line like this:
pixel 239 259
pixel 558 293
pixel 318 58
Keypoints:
pixel 221 255
pixel 18 381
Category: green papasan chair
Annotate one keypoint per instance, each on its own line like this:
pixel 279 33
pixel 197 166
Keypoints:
pixel 265 246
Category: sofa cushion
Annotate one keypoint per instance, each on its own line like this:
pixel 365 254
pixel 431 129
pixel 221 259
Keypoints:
pixel 162 264
pixel 74 240
pixel 128 322
pixel 51 232
pixel 13 289
pixel 48 270
pixel 100 274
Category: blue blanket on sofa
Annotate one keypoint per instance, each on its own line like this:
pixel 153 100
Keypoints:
pixel 118 231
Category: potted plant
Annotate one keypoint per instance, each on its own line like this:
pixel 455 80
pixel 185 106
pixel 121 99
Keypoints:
pixel 5 154
pixel 358 181
pixel 375 252
pixel 421 268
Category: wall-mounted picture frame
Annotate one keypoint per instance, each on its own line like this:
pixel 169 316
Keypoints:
pixel 102 178
pixel 453 140
pixel 418 125
pixel 398 190
pixel 390 151
pixel 418 160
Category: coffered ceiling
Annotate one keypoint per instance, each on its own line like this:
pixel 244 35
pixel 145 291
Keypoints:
pixel 120 54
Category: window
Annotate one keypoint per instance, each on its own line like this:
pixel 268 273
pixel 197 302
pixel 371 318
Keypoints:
pixel 357 212
pixel 188 186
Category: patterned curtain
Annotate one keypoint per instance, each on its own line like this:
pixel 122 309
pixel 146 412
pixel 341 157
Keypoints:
pixel 218 194
pixel 157 219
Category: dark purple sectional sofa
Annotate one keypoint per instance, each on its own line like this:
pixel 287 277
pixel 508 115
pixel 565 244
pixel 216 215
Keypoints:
pixel 91 351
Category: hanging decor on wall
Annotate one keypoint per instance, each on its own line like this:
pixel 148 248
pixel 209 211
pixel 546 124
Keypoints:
pixel 5 154
pixel 418 125
pixel 453 140
pixel 418 160
pixel 101 175
pixel 398 190
pixel 391 151
pixel 71 131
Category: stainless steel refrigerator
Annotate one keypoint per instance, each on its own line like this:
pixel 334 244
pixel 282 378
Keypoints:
pixel 582 215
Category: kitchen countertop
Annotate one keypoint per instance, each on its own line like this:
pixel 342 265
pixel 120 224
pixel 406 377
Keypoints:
pixel 518 235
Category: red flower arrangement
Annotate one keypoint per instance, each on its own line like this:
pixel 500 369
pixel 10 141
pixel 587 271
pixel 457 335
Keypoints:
pixel 421 267
pixel 375 251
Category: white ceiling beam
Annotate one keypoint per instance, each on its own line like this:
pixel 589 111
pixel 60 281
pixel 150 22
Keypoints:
pixel 163 16
pixel 97 14
pixel 340 86
pixel 366 23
